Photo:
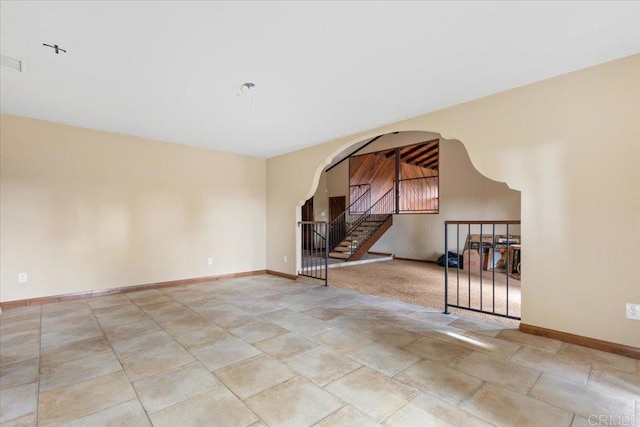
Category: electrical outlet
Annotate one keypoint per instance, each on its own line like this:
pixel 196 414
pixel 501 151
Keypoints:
pixel 286 258
pixel 22 278
pixel 209 261
pixel 633 311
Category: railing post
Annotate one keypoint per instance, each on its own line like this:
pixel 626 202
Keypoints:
pixel 315 234
pixel 326 254
pixel 446 269
pixel 506 267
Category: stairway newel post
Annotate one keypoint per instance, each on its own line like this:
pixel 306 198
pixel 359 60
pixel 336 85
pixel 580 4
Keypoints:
pixel 446 268
pixel 326 254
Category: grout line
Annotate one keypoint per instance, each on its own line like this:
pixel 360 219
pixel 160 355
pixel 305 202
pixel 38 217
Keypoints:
pixel 112 351
pixel 534 384
pixel 586 381
pixel 513 354
pixel 573 418
pixel 198 361
pixel 329 415
pixel 465 400
pixel 124 371
pixel 39 367
pixel 401 406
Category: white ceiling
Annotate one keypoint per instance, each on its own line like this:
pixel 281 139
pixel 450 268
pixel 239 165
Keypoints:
pixel 170 70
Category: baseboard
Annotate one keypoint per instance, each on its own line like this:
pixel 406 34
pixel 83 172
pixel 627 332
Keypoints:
pixel 280 274
pixel 113 291
pixel 428 261
pixel 609 347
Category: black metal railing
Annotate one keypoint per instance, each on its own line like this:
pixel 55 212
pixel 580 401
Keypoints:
pixel 339 226
pixel 359 204
pixel 418 195
pixel 485 276
pixel 315 251
pixel 368 222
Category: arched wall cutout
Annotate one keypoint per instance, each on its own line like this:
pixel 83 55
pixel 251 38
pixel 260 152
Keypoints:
pixel 411 136
pixel 357 140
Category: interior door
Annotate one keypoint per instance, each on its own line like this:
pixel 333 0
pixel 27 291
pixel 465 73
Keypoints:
pixel 307 215
pixel 338 230
pixel 337 205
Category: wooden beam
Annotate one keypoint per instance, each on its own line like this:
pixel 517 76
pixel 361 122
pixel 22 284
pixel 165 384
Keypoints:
pixel 389 153
pixel 430 164
pixel 417 152
pixel 426 158
pixel 408 151
pixel 428 146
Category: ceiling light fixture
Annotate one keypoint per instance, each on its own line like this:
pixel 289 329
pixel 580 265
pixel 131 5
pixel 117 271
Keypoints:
pixel 247 88
pixel 55 47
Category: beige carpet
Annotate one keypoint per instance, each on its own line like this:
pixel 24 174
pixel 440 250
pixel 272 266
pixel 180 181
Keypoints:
pixel 423 284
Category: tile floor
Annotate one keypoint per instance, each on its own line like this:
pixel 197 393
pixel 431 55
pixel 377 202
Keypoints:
pixel 263 350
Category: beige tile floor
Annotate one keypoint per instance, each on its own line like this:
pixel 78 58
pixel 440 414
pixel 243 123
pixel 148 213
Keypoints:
pixel 268 351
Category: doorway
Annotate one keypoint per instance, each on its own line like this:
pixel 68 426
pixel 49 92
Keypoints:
pixel 337 205
pixel 307 215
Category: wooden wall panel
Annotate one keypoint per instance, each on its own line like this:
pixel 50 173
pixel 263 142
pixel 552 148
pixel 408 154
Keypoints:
pixel 379 170
pixel 370 169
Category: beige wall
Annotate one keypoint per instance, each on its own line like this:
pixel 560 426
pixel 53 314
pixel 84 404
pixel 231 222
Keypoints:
pixel 321 200
pixel 338 180
pixel 84 210
pixel 547 140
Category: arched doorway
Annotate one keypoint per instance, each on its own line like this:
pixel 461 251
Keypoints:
pixel 416 239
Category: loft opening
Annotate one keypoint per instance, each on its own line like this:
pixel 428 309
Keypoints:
pixel 410 172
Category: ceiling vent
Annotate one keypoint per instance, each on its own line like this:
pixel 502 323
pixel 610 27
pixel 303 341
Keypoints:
pixel 13 63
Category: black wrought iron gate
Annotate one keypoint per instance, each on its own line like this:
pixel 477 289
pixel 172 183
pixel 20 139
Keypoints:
pixel 315 250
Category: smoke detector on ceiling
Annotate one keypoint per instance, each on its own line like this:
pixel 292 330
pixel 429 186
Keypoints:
pixel 13 63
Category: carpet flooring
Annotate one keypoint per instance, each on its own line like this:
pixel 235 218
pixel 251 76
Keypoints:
pixel 423 284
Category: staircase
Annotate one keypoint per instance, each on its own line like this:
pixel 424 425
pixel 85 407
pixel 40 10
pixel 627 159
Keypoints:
pixel 353 234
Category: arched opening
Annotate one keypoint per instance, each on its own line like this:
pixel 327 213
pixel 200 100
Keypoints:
pixel 410 247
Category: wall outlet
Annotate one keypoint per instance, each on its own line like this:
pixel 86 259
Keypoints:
pixel 286 258
pixel 22 278
pixel 633 311
pixel 209 261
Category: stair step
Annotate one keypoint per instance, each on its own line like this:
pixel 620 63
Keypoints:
pixel 348 240
pixel 339 255
pixel 359 235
